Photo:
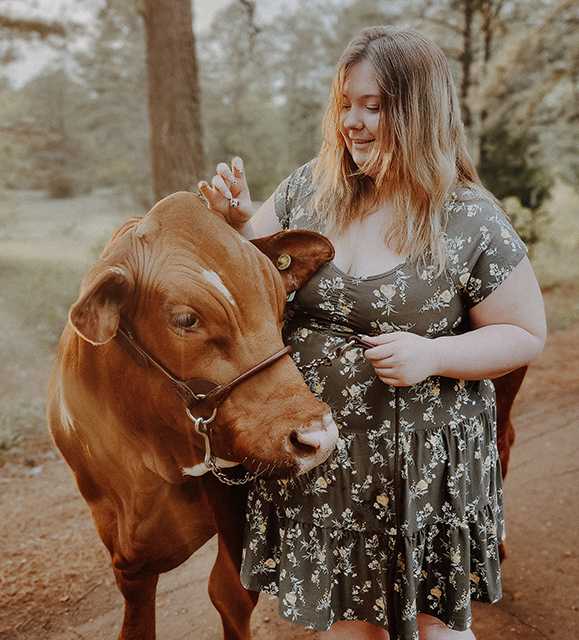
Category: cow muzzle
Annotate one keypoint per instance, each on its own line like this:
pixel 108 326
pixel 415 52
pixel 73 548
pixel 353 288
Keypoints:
pixel 311 447
pixel 202 396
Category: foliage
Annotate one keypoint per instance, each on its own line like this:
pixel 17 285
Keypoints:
pixel 14 31
pixel 506 169
pixel 17 423
pixel 265 83
pixel 17 136
pixel 115 124
pixel 56 160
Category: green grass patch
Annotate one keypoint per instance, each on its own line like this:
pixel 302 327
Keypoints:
pixel 21 422
pixel 39 295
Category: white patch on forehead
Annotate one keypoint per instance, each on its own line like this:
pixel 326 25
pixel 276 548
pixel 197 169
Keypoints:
pixel 215 280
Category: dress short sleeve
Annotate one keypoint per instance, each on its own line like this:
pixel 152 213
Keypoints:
pixel 292 200
pixel 483 246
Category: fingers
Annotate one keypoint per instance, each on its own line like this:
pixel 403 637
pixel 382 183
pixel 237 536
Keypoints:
pixel 232 180
pixel 229 183
pixel 234 175
pixel 213 197
pixel 222 186
pixel 228 193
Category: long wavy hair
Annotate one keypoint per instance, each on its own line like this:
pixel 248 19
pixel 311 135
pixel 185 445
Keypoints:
pixel 420 153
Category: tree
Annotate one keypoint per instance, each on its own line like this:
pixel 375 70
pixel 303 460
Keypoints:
pixel 177 157
pixel 113 118
pixel 505 168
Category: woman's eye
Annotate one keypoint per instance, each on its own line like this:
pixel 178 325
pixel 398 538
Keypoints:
pixel 185 321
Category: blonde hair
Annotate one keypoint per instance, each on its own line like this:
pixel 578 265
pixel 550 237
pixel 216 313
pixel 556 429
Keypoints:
pixel 420 153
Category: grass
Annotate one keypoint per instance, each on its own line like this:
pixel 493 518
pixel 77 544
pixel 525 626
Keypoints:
pixel 21 422
pixel 46 246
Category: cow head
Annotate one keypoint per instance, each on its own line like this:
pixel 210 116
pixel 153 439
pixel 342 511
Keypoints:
pixel 208 304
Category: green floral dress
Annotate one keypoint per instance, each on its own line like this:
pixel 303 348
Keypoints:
pixel 323 542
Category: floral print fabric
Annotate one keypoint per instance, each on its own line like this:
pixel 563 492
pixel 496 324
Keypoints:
pixel 323 542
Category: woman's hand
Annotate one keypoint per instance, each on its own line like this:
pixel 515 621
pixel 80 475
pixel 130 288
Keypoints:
pixel 229 194
pixel 401 358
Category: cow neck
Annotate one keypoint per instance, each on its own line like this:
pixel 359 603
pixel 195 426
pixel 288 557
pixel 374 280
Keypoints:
pixel 197 392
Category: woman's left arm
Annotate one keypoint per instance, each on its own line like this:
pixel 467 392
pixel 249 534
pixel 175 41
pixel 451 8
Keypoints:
pixel 508 330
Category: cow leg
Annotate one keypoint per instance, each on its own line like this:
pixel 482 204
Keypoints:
pixel 506 388
pixel 233 602
pixel 139 617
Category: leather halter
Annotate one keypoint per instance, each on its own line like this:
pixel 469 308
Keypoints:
pixel 196 392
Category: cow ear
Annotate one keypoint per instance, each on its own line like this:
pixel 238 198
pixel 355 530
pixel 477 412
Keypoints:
pixel 297 254
pixel 95 315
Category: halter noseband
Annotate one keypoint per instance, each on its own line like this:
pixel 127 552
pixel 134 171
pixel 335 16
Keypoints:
pixel 196 391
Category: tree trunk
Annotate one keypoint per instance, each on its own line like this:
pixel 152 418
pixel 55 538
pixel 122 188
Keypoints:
pixel 466 62
pixel 177 157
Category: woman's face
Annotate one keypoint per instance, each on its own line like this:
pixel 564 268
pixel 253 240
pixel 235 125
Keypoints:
pixel 360 115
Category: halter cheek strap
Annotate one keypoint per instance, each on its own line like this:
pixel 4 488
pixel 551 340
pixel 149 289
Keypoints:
pixel 196 392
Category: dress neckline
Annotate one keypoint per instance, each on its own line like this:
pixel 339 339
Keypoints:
pixel 376 276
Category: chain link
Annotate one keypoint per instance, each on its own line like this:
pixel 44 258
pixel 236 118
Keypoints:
pixel 326 361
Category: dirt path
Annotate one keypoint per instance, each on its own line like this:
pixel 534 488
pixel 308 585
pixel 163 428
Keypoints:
pixel 55 583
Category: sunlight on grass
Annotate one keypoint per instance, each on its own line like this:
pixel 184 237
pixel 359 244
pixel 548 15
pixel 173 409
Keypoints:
pixel 46 246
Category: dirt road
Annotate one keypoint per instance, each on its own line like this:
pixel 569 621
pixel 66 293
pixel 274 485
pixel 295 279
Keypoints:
pixel 55 582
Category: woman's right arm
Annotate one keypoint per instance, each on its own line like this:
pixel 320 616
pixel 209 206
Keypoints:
pixel 229 196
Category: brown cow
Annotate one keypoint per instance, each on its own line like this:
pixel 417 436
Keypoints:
pixel 173 357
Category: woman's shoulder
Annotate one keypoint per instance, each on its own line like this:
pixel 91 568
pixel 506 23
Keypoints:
pixel 483 247
pixel 471 202
pixel 473 212
pixel 301 179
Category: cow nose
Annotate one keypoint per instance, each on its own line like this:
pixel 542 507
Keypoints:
pixel 316 442
pixel 306 442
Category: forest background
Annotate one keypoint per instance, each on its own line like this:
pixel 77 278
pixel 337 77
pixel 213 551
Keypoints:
pixel 107 105
pixel 140 98
pixel 262 72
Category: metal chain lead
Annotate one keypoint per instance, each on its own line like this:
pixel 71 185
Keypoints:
pixel 326 361
pixel 205 432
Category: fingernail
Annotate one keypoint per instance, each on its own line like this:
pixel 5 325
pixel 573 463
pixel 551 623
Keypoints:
pixel 233 181
pixel 202 184
pixel 239 166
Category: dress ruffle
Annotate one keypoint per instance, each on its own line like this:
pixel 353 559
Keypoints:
pixel 329 561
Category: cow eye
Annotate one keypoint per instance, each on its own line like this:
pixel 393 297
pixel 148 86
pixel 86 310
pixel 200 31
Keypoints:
pixel 185 321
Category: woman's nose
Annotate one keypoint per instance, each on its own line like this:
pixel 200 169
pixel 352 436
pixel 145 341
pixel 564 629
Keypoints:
pixel 352 120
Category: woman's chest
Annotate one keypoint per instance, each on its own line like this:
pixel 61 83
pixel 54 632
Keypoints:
pixel 401 299
pixel 361 249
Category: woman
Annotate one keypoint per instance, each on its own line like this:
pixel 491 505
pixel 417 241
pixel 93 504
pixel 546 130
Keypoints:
pixel 393 532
